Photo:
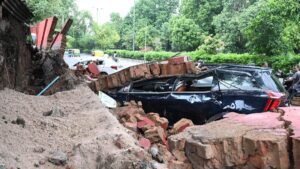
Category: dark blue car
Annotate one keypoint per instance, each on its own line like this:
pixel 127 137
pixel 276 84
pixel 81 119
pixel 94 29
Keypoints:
pixel 209 95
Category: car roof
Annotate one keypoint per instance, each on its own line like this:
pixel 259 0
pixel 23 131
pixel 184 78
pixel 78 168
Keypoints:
pixel 212 68
pixel 237 67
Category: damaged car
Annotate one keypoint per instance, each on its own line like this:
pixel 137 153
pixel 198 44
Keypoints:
pixel 207 96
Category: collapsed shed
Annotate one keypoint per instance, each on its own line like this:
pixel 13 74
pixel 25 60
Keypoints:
pixel 15 50
pixel 29 67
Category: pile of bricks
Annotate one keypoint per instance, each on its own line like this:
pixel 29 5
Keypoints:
pixel 152 133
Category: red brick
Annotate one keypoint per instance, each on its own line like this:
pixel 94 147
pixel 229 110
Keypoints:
pixel 145 143
pixel 155 69
pixel 164 69
pixel 181 125
pixel 176 69
pixel 145 122
pixel 178 60
pixel 190 67
pixel 139 117
pixel 162 135
pixel 152 135
pixel 159 121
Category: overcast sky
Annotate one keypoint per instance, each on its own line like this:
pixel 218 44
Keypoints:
pixel 105 8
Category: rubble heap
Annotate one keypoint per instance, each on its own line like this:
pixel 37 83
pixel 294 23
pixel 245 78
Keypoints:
pixel 22 67
pixel 68 130
pixel 243 141
pixel 152 132
pixel 262 140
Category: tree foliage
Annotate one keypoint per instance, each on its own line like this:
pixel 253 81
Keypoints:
pixel 266 27
pixel 105 36
pixel 270 30
pixel 185 34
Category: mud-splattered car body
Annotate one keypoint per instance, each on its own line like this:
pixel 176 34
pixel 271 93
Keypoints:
pixel 209 95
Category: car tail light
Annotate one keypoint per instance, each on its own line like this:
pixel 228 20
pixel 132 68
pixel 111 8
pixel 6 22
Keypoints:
pixel 273 101
pixel 114 67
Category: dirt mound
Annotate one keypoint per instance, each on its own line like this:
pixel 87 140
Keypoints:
pixel 68 129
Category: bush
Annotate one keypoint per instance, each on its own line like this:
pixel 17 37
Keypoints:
pixel 150 56
pixel 281 62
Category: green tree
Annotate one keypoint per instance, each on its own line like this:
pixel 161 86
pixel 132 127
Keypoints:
pixel 229 24
pixel 106 36
pixel 202 12
pixel 165 35
pixel 185 34
pixel 43 9
pixel 267 32
pixel 153 13
pixel 148 37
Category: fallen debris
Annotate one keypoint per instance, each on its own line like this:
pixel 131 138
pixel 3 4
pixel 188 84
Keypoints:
pixel 20 121
pixel 90 135
pixel 181 125
pixel 242 141
pixel 58 158
pixel 55 112
pixel 153 133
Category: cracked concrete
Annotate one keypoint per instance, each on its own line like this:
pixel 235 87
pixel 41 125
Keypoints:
pixel 263 140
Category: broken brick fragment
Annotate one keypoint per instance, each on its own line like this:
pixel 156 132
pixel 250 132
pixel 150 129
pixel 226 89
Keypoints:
pixel 146 123
pixel 190 67
pixel 156 135
pixel 159 121
pixel 181 125
pixel 145 143
pixel 139 117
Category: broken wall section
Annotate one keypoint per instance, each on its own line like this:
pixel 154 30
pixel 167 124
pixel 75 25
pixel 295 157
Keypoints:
pixel 15 52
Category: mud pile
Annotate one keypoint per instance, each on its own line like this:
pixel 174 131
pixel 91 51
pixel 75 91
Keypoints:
pixel 66 130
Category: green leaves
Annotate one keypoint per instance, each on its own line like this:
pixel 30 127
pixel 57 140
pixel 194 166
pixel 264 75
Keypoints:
pixel 269 31
pixel 185 34
pixel 105 36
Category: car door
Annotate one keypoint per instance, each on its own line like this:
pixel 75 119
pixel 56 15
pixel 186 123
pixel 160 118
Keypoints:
pixel 240 93
pixel 198 102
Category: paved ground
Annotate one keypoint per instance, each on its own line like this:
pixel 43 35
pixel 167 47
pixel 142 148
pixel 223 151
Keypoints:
pixel 122 61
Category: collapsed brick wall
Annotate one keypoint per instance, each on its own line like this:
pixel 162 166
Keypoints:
pixel 15 53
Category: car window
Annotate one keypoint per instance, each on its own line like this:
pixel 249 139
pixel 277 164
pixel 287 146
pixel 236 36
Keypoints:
pixel 155 85
pixel 205 82
pixel 232 81
pixel 269 82
pixel 194 84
